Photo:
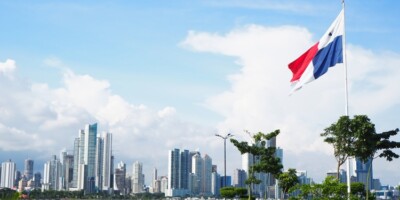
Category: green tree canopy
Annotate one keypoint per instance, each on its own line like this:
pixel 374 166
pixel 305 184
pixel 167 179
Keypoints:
pixel 341 137
pixel 357 137
pixel 267 162
pixel 288 180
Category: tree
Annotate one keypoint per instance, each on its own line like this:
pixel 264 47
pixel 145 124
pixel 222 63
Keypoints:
pixel 267 162
pixel 231 192
pixel 357 137
pixel 287 180
pixel 340 136
pixel 330 189
pixel 369 145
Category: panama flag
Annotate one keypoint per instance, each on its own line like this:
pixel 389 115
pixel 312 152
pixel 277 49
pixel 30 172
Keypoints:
pixel 315 62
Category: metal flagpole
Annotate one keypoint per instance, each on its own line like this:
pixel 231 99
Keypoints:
pixel 346 93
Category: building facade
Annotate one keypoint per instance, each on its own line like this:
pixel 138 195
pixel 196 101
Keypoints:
pixel 28 169
pixel 137 178
pixel 120 178
pixel 8 171
pixel 178 173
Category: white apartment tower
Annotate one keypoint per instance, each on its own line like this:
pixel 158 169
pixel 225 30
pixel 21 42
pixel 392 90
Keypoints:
pixel 107 161
pixel 51 174
pixel 202 170
pixel 137 178
pixel 267 180
pixel 8 170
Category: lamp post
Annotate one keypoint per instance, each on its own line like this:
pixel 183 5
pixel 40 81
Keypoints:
pixel 224 137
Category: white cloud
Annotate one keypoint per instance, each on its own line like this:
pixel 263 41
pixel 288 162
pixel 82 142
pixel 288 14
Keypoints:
pixel 7 68
pixel 258 97
pixel 36 117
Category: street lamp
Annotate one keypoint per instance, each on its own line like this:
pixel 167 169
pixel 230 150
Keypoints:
pixel 224 137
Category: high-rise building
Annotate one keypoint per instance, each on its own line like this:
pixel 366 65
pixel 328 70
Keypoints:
pixel 28 171
pixel 51 174
pixel 8 171
pixel 37 179
pixel 201 175
pixel 197 177
pixel 89 156
pixel 178 173
pixel 119 178
pixel 107 169
pixel 156 183
pixel 173 169
pixel 184 169
pixel 74 183
pixel 67 161
pixel 207 171
pixel 128 184
pixel 228 181
pixel 215 183
pixel 137 178
pixel 99 163
pixel 239 178
pixel 267 179
pixel 18 177
pixel 362 169
pixel 85 149
pixel 164 184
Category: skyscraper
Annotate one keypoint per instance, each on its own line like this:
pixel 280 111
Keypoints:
pixel 99 163
pixel 85 159
pixel 178 173
pixel 361 170
pixel 107 169
pixel 89 156
pixel 28 171
pixel 67 162
pixel 119 177
pixel 184 169
pixel 156 183
pixel 8 170
pixel 239 178
pixel 137 178
pixel 267 179
pixel 215 183
pixel 51 174
pixel 207 170
pixel 197 170
pixel 74 183
pixel 173 169
pixel 37 178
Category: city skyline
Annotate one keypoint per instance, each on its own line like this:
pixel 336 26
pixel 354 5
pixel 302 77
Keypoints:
pixel 170 75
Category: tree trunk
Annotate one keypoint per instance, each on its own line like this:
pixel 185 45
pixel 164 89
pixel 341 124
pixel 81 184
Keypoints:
pixel 337 175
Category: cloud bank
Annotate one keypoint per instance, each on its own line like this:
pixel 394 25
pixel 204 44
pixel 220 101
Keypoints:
pixel 39 119
pixel 258 98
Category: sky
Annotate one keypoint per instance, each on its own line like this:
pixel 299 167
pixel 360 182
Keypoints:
pixel 161 75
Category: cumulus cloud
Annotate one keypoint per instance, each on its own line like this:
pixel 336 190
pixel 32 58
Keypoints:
pixel 7 68
pixel 37 118
pixel 258 98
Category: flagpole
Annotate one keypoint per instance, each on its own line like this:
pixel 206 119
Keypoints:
pixel 346 93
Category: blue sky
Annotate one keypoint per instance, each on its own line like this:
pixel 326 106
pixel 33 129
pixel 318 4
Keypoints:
pixel 184 70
